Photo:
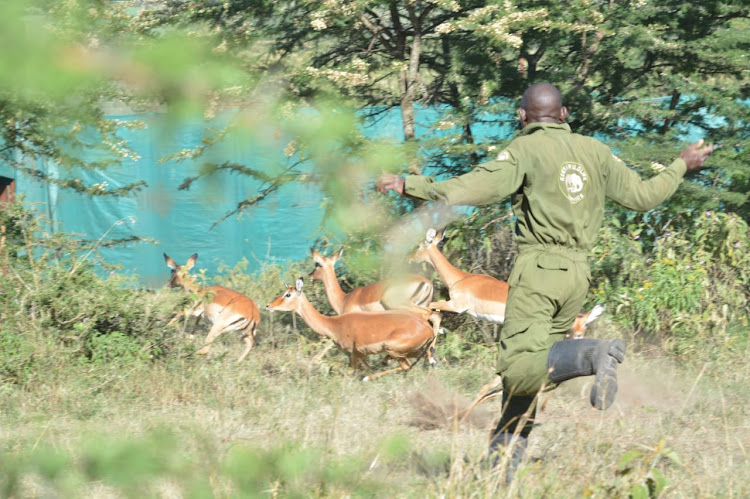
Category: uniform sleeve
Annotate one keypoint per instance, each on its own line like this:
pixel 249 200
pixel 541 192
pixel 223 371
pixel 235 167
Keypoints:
pixel 625 186
pixel 488 183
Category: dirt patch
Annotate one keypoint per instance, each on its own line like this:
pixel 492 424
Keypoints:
pixel 435 406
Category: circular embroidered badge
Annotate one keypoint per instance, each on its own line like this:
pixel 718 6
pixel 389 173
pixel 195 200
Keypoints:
pixel 572 181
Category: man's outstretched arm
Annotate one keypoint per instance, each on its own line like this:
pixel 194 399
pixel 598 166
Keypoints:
pixel 488 183
pixel 625 186
pixel 390 182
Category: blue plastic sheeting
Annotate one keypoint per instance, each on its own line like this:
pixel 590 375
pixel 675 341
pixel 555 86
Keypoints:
pixel 281 228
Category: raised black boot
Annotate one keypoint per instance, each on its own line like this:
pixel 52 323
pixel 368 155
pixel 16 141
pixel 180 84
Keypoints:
pixel 570 359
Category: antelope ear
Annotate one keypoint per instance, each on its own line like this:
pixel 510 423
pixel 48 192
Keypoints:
pixel 317 257
pixel 191 261
pixel 595 313
pixel 170 263
pixel 339 255
pixel 430 235
pixel 300 282
pixel 439 236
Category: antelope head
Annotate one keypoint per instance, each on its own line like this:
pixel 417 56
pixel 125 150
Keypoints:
pixel 432 238
pixel 323 263
pixel 180 273
pixel 288 300
pixel 583 321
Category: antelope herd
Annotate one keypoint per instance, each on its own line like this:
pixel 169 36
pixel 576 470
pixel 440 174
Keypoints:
pixel 395 317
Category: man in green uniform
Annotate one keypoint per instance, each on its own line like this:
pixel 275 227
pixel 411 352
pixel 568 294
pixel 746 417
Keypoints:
pixel 559 180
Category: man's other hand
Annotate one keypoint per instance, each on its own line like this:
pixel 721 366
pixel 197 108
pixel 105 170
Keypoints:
pixel 695 155
pixel 390 182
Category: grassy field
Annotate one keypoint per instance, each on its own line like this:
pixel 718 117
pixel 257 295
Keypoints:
pixel 281 425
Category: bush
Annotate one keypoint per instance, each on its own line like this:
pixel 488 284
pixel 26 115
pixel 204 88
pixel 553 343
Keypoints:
pixel 141 466
pixel 16 356
pixel 687 291
pixel 53 292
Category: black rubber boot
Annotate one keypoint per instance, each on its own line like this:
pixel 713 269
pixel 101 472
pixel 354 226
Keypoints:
pixel 499 445
pixel 513 429
pixel 570 359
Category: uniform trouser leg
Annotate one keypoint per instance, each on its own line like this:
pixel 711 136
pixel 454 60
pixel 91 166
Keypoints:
pixel 518 415
pixel 546 293
pixel 547 290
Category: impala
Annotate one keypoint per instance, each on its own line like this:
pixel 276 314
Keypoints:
pixel 411 291
pixel 227 310
pixel 479 295
pixel 400 335
pixel 583 320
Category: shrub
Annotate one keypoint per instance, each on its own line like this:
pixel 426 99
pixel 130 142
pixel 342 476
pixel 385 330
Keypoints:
pixel 53 292
pixel 687 291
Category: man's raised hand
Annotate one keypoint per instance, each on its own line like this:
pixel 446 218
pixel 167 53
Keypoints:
pixel 696 154
pixel 390 182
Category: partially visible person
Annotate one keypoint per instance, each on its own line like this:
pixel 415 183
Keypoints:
pixel 559 181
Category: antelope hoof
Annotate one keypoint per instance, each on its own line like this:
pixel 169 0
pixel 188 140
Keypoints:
pixel 203 351
pixel 366 378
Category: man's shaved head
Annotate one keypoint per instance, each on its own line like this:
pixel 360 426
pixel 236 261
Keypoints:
pixel 542 102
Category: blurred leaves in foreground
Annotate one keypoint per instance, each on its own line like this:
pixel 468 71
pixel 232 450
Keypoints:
pixel 157 462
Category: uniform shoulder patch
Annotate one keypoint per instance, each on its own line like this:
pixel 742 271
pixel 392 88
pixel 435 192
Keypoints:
pixel 503 156
pixel 572 181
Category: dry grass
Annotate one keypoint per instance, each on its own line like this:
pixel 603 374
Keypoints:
pixel 279 395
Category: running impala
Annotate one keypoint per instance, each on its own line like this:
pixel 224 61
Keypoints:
pixel 411 291
pixel 400 335
pixel 583 320
pixel 479 295
pixel 227 310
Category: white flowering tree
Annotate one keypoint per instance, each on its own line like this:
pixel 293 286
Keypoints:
pixel 472 59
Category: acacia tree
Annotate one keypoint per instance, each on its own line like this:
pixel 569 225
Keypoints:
pixel 50 100
pixel 375 55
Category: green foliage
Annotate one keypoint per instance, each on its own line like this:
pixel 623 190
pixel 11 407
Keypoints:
pixel 17 354
pixel 640 474
pixel 138 466
pixel 114 347
pixel 687 290
pixel 72 63
pixel 53 292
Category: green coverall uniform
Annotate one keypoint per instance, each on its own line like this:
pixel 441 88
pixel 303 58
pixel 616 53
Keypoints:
pixel 559 180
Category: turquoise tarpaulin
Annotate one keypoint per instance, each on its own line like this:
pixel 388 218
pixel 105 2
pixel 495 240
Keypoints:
pixel 279 229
